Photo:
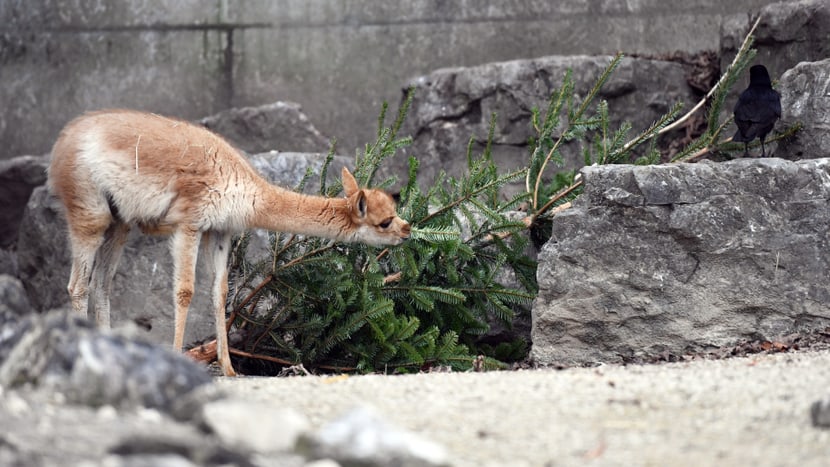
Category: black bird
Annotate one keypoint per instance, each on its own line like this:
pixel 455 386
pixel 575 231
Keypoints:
pixel 757 109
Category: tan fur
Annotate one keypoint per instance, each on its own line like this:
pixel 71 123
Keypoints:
pixel 119 168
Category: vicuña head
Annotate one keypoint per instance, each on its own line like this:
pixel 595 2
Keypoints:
pixel 116 169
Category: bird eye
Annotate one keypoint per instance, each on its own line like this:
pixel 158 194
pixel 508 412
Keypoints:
pixel 385 223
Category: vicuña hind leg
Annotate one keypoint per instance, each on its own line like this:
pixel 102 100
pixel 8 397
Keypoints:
pixel 217 246
pixel 106 262
pixel 184 246
pixel 85 237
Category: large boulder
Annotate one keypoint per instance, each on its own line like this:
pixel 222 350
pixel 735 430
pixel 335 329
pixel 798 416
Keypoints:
pixel 684 257
pixel 806 91
pixel 279 126
pixel 454 104
pixel 142 289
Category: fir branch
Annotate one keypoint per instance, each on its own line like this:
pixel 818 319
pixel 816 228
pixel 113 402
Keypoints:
pixel 435 234
pixel 452 205
pixel 575 125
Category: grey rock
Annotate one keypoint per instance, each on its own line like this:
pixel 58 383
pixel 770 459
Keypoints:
pixel 279 126
pixel 41 428
pixel 820 413
pixel 806 91
pixel 66 354
pixel 361 437
pixel 13 299
pixel 142 289
pixel 254 426
pixel 711 255
pixel 454 104
pixel 8 262
pixel 18 177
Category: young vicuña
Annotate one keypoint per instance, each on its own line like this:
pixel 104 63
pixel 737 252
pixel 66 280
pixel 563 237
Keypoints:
pixel 118 168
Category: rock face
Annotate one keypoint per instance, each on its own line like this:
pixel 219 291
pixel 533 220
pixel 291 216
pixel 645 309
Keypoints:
pixel 806 90
pixel 454 104
pixel 681 257
pixel 279 126
pixel 142 289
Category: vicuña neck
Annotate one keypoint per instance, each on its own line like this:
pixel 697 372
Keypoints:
pixel 281 210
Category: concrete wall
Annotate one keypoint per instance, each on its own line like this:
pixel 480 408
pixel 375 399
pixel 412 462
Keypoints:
pixel 338 58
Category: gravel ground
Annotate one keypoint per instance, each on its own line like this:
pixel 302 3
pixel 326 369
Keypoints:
pixel 738 411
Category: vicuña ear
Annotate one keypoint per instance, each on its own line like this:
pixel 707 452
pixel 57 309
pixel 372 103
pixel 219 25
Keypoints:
pixel 349 183
pixel 361 204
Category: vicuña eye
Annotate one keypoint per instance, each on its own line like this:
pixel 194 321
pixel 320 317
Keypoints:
pixel 385 223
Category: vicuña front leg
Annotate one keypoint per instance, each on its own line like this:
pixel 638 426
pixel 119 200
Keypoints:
pixel 184 246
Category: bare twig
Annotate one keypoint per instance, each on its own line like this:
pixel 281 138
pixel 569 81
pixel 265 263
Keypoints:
pixel 554 199
pixel 395 277
pixel 267 358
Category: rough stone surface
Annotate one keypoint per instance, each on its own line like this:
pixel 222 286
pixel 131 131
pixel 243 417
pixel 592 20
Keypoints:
pixel 453 104
pixel 18 177
pixel 13 299
pixel 806 90
pixel 279 126
pixel 682 257
pixel 67 355
pixel 142 289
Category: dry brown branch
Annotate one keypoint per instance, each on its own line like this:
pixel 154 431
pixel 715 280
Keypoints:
pixel 395 277
pixel 204 353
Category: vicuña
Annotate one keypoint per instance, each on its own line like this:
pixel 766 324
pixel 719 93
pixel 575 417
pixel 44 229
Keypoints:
pixel 115 169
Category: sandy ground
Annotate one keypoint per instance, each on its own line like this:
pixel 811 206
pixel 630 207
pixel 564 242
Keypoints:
pixel 738 411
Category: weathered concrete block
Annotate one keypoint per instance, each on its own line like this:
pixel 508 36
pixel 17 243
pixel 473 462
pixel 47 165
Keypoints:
pixel 696 255
pixel 53 76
